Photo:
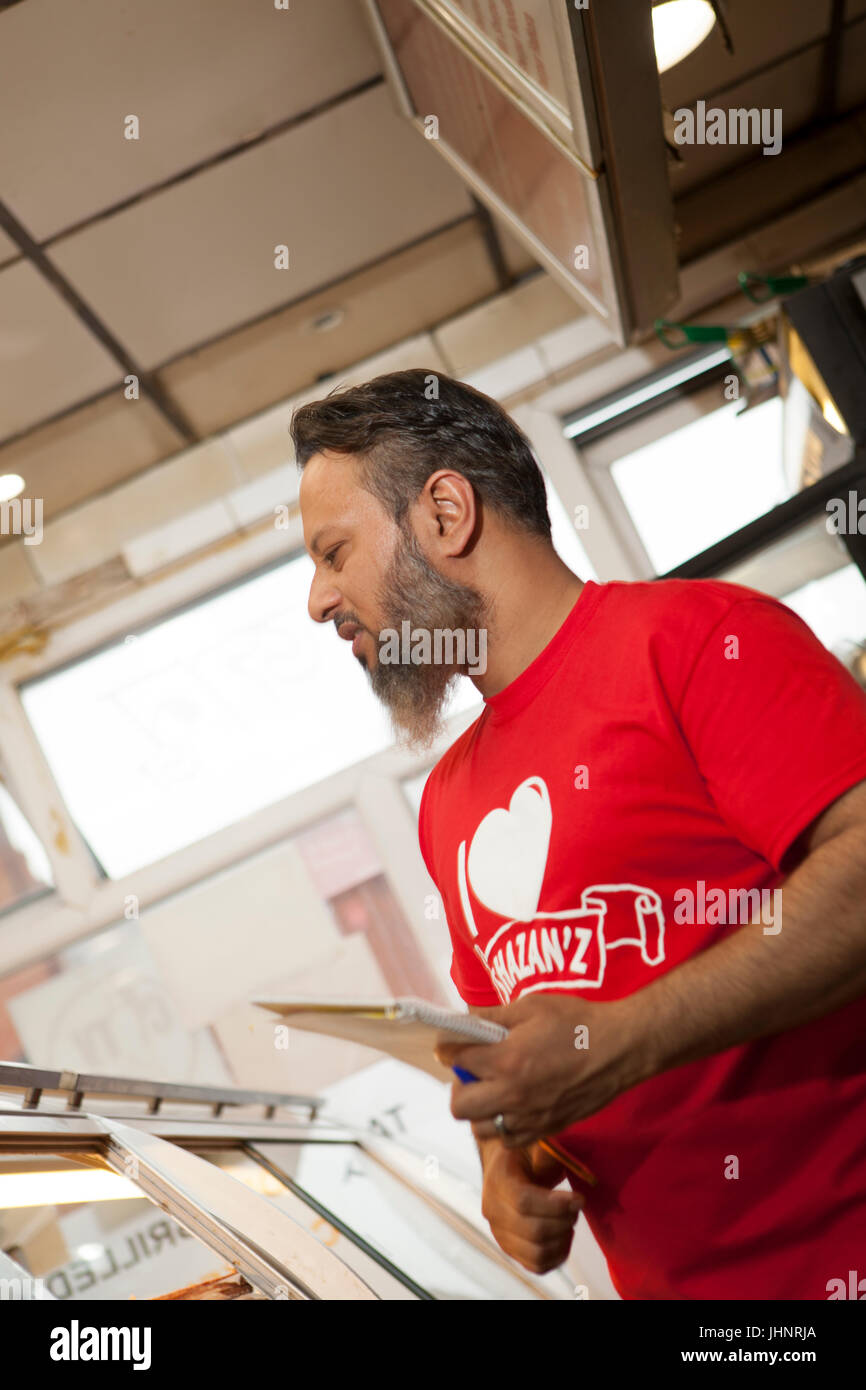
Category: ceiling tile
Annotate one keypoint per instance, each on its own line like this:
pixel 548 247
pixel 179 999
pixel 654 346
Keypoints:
pixel 178 538
pixel 200 75
pixel 517 258
pixel 727 207
pixel 792 87
pixel 99 529
pixel 263 444
pixel 17 576
pixel 852 68
pixel 197 259
pixel 761 34
pixel 259 365
pixel 418 352
pixel 509 374
pixel 89 450
pixel 8 248
pixel 48 359
pixel 507 323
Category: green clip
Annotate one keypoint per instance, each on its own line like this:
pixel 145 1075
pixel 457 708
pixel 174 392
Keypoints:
pixel 677 335
pixel 761 288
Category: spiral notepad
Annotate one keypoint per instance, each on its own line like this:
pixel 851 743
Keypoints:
pixel 407 1029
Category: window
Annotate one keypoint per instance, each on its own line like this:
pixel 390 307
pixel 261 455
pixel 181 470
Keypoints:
pixel 207 716
pixel 413 789
pixel 835 609
pixel 101 1005
pixel 684 468
pixel 566 541
pixel 313 914
pixel 811 571
pixel 25 871
pixel 211 714
pixel 688 489
pixel 696 487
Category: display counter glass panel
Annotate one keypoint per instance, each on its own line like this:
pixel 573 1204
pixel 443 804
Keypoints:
pixel 87 1233
pixel 395 1221
pixel 390 1284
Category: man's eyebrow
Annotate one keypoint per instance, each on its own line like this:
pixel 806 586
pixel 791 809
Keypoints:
pixel 316 542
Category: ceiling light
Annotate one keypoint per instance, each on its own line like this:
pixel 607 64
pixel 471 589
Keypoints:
pixel 679 26
pixel 51 1189
pixel 832 416
pixel 11 484
pixel 328 319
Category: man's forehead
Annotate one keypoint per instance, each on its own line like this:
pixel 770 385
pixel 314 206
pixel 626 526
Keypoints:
pixel 325 483
pixel 328 472
pixel 331 495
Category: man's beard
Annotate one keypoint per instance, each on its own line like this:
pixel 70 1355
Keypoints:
pixel 413 591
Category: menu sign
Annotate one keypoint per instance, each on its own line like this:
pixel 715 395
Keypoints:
pixel 508 91
pixel 522 32
pixel 535 183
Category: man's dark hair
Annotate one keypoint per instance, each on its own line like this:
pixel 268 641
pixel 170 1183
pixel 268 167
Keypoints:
pixel 406 425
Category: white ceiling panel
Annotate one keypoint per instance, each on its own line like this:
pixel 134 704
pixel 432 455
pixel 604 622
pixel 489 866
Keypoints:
pixel 89 450
pixel 197 259
pixel 517 259
pixel 201 75
pixel 269 360
pixel 48 359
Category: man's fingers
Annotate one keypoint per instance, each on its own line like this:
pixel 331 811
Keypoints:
pixel 531 1127
pixel 537 1258
pixel 479 1100
pixel 536 1231
pixel 474 1057
pixel 540 1203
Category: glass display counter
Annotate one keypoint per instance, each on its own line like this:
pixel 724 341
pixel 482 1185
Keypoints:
pixel 119 1190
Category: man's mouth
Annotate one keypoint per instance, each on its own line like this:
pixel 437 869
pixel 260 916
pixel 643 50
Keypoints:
pixel 351 632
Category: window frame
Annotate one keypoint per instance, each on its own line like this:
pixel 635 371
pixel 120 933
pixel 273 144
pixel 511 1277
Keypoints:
pixel 84 901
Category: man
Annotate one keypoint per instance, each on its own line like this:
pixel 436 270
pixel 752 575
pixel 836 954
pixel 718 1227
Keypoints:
pixel 658 766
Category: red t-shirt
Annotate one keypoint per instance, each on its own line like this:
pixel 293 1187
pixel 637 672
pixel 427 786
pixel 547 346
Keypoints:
pixel 605 819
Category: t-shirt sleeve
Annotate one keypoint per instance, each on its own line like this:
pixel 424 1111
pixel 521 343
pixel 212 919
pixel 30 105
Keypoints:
pixel 470 978
pixel 775 723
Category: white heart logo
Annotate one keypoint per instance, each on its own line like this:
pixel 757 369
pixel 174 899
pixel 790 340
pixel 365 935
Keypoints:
pixel 508 854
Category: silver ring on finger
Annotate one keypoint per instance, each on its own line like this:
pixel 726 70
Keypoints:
pixel 499 1126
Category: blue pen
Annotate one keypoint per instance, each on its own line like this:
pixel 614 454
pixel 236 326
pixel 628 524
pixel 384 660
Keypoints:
pixel 463 1075
pixel 576 1167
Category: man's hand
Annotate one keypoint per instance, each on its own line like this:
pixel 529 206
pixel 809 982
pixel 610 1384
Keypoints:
pixel 531 1223
pixel 563 1059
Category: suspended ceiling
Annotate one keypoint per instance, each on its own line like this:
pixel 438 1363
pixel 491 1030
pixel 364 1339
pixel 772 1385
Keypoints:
pixel 261 127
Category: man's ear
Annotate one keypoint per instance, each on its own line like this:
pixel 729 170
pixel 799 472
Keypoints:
pixel 447 513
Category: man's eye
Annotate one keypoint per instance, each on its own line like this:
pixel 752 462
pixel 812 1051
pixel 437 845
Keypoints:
pixel 329 558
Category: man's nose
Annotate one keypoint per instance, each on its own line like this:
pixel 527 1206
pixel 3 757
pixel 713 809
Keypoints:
pixel 324 599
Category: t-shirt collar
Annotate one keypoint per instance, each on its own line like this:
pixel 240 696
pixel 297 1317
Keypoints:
pixel 519 692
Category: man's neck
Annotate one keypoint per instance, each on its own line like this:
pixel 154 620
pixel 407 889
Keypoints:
pixel 528 607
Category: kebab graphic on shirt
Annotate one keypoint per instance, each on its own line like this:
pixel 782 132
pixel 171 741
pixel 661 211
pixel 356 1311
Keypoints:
pixel 524 949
